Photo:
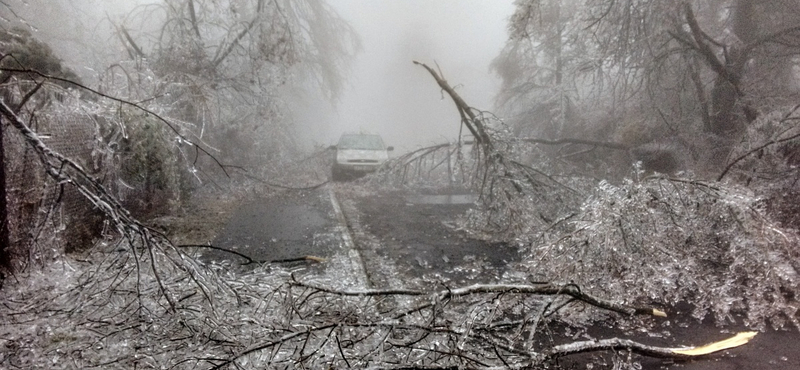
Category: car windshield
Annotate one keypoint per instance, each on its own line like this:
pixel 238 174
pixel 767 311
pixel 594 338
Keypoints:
pixel 364 142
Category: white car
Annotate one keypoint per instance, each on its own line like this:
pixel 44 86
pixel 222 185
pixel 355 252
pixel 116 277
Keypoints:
pixel 357 155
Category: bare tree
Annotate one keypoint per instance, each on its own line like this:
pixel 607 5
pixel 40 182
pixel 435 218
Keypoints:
pixel 638 71
pixel 223 65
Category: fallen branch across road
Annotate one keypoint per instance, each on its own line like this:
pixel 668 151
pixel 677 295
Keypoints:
pixel 506 186
pixel 250 260
pixel 476 327
pixel 539 289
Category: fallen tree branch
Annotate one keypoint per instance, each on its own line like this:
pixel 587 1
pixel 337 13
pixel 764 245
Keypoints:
pixel 249 259
pixel 64 170
pixel 468 117
pixel 344 322
pixel 55 165
pixel 279 186
pixel 506 187
pixel 650 351
pixel 543 289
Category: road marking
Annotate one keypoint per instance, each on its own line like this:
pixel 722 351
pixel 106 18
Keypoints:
pixel 359 268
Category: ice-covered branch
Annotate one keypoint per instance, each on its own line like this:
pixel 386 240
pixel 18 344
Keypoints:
pixel 64 170
pixel 543 289
pixel 343 328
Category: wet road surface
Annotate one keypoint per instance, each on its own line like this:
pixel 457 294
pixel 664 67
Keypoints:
pixel 295 225
pixel 394 239
pixel 414 236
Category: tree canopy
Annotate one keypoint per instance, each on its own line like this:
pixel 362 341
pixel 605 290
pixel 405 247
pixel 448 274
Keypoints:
pixel 641 71
pixel 221 65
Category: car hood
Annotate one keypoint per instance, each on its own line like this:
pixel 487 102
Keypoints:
pixel 345 155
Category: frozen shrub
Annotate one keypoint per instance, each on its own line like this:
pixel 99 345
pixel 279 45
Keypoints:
pixel 150 166
pixel 668 241
pixel 769 153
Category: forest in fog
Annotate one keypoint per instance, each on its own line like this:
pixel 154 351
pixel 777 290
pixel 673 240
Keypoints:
pixel 641 154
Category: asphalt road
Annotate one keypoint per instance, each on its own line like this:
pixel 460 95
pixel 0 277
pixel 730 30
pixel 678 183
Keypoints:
pixel 410 240
pixel 393 239
pixel 280 228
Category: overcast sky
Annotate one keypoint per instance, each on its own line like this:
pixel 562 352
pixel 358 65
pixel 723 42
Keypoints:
pixel 389 95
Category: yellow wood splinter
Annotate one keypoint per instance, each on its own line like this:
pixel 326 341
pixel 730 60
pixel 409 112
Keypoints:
pixel 735 341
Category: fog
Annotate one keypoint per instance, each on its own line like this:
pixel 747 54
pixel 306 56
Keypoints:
pixel 389 95
pixel 80 32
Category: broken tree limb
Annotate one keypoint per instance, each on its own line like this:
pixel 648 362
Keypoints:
pixel 55 165
pixel 66 171
pixel 154 248
pixel 275 185
pixel 533 358
pixel 468 117
pixel 732 342
pixel 249 259
pixel 436 339
pixel 646 350
pixel 506 187
pixel 543 289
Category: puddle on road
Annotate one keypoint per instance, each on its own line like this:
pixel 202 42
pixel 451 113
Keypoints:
pixel 442 199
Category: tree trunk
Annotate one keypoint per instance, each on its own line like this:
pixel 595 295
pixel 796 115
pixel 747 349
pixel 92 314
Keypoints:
pixel 5 247
pixel 727 117
pixel 724 120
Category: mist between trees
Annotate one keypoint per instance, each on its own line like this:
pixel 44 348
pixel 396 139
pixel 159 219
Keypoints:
pixel 643 153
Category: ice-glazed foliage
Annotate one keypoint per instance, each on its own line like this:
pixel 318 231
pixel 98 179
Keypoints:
pixel 109 310
pixel 667 241
pixel 150 164
pixel 659 240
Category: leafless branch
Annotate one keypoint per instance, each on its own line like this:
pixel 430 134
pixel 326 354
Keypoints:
pixel 249 259
pixel 27 97
pixel 705 51
pixel 468 118
pixel 136 49
pixel 193 18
